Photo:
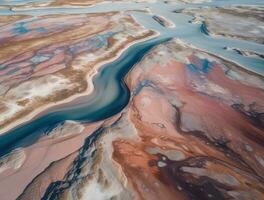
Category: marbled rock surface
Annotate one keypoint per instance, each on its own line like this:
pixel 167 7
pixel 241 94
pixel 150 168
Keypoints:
pixel 193 129
pixel 236 22
pixel 141 99
pixel 44 60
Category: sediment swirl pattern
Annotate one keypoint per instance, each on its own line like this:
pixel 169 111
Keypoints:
pixel 159 101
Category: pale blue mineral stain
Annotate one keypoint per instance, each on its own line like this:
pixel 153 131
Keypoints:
pixel 40 58
pixel 21 27
pixel 92 43
pixel 206 66
pixel 140 85
pixel 12 71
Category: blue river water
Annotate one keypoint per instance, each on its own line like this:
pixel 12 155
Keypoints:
pixel 111 94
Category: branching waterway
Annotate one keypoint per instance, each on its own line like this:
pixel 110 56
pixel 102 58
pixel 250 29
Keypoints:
pixel 111 95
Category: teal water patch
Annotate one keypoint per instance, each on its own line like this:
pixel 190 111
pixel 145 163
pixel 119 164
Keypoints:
pixel 2 67
pixel 40 58
pixel 21 27
pixel 206 66
pixel 110 96
pixel 140 85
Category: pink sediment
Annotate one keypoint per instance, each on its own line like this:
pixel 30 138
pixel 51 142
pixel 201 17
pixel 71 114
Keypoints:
pixel 38 157
pixel 171 115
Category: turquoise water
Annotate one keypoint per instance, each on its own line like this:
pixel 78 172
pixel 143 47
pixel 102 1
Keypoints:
pixel 111 95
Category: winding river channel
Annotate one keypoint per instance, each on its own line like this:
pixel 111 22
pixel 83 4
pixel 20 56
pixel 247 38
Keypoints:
pixel 111 95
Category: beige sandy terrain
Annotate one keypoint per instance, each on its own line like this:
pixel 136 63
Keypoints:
pixel 182 131
pixel 248 21
pixel 70 73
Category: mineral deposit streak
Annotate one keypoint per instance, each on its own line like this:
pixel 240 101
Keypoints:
pixel 175 111
pixel 110 94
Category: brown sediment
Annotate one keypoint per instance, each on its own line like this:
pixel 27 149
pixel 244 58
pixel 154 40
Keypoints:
pixel 39 156
pixel 139 171
pixel 82 171
pixel 3 108
pixel 74 2
pixel 111 41
pixel 56 171
pixel 58 3
pixel 23 102
pixel 163 21
pixel 217 161
pixel 180 136
pixel 7 19
pixel 78 78
pixel 176 140
pixel 9 48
